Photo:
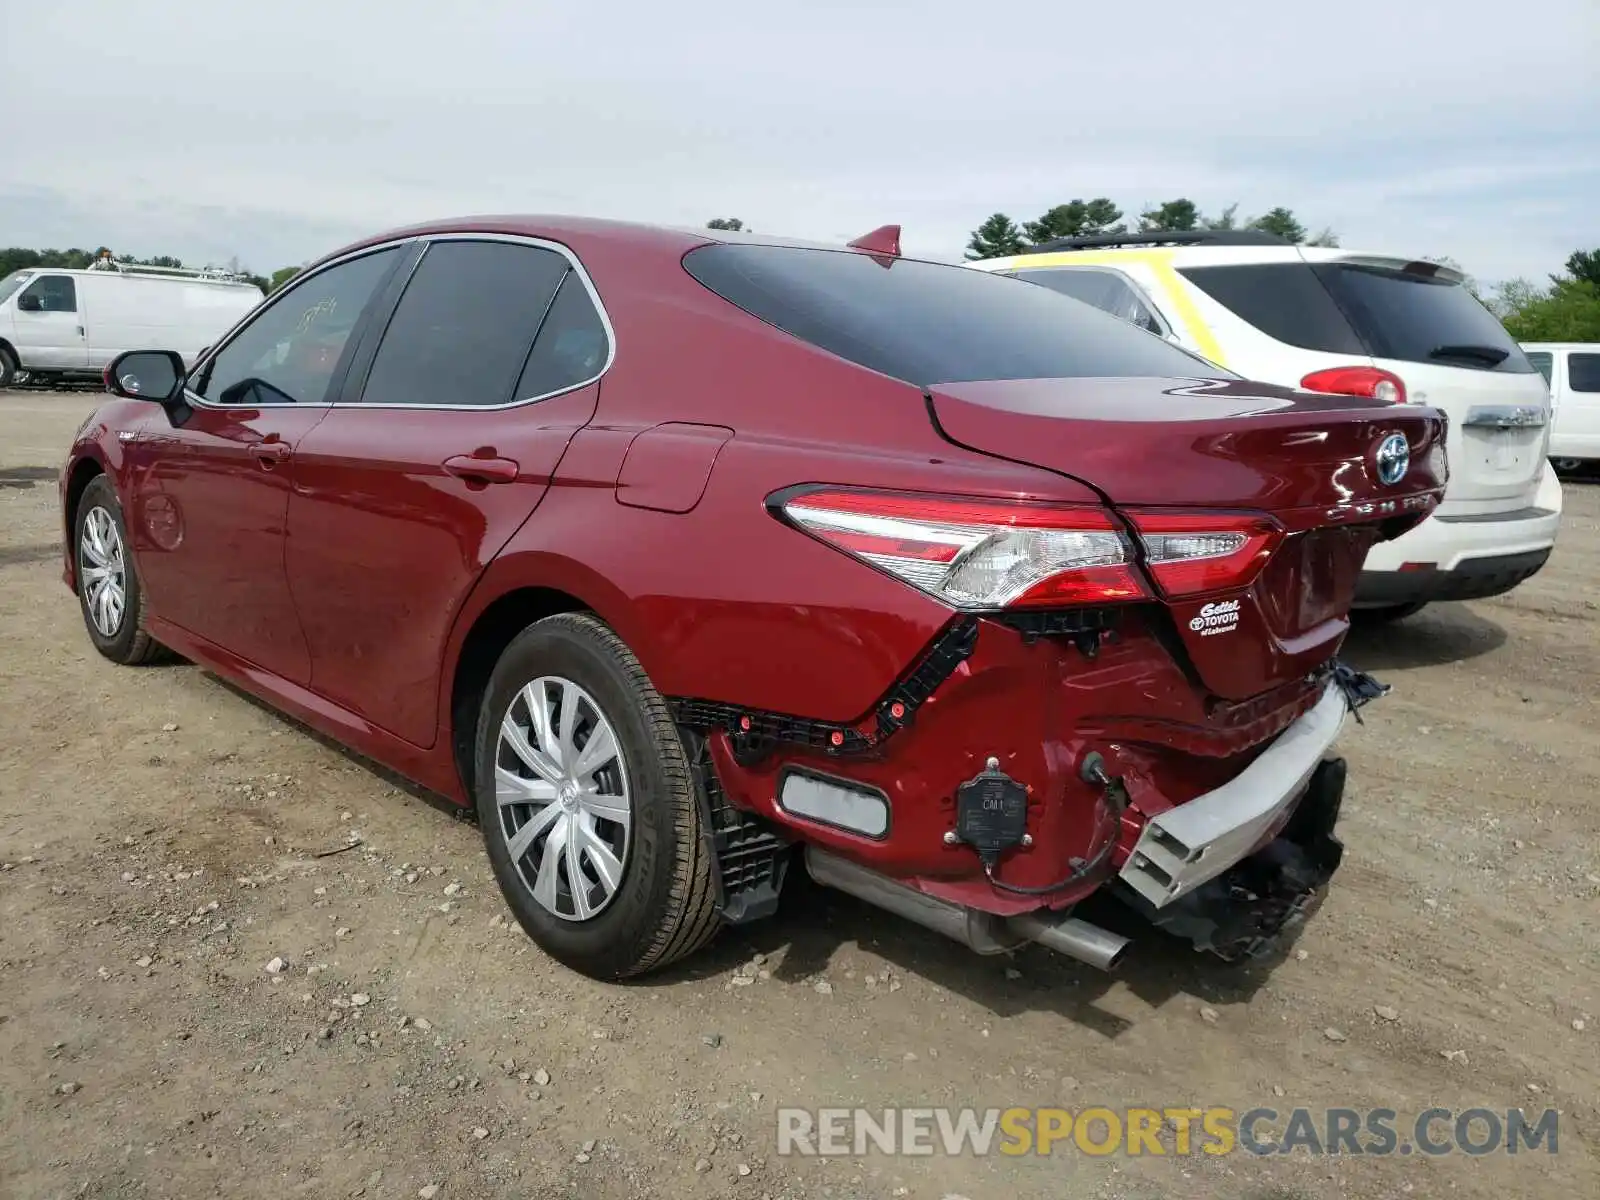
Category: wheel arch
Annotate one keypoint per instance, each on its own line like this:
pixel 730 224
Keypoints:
pixel 513 594
pixel 84 471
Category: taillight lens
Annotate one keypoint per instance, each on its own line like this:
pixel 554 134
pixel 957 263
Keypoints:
pixel 1371 382
pixel 977 554
pixel 1192 553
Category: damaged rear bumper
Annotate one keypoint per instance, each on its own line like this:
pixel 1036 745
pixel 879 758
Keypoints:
pixel 1250 908
pixel 1187 846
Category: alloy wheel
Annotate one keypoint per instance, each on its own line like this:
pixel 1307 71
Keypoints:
pixel 563 798
pixel 103 568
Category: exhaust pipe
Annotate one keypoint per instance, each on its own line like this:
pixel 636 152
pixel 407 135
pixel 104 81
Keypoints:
pixel 983 932
pixel 1074 938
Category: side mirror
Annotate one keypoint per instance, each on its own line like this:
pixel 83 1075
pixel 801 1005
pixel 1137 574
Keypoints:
pixel 29 303
pixel 156 375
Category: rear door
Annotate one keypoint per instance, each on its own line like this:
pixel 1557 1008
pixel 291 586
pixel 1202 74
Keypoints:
pixel 1419 322
pixel 49 324
pixel 448 432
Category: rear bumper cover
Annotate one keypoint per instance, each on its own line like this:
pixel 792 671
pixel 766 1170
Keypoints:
pixel 1187 846
pixel 1465 556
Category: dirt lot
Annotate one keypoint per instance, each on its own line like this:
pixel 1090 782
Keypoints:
pixel 159 832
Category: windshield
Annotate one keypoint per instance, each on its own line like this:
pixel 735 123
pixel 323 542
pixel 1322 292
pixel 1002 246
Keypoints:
pixel 927 323
pixel 12 282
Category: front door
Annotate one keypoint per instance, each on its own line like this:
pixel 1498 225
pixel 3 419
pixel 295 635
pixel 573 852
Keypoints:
pixel 49 324
pixel 211 494
pixel 406 492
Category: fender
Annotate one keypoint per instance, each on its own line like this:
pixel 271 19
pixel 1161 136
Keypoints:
pixel 516 570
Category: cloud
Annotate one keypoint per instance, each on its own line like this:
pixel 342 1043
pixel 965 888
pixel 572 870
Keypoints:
pixel 276 133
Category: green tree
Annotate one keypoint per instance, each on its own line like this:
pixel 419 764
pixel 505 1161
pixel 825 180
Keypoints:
pixel 733 224
pixel 1585 265
pixel 1327 238
pixel 997 237
pixel 1076 218
pixel 1170 216
pixel 280 277
pixel 1280 222
pixel 1227 219
pixel 1568 312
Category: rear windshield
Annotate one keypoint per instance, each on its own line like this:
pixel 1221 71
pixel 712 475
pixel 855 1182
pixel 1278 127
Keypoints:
pixel 12 282
pixel 1351 308
pixel 927 324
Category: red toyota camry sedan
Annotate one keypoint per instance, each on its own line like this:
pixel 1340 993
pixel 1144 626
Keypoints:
pixel 686 557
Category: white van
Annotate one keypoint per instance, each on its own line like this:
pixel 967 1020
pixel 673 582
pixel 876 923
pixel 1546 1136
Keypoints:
pixel 57 324
pixel 1573 372
pixel 1333 320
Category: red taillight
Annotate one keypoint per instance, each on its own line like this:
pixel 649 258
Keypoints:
pixel 1357 381
pixel 1190 554
pixel 977 554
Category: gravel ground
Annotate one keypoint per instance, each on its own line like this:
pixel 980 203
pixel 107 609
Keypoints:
pixel 193 1003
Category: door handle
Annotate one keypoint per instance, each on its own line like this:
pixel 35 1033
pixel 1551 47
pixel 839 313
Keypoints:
pixel 482 470
pixel 269 454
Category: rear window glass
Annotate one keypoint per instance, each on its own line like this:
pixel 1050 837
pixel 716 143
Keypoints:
pixel 1349 308
pixel 927 323
pixel 1583 372
pixel 1414 317
pixel 1543 362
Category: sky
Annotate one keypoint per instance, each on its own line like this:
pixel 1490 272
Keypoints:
pixel 275 133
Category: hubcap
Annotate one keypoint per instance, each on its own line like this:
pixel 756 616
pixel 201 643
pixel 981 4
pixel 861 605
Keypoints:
pixel 103 571
pixel 563 796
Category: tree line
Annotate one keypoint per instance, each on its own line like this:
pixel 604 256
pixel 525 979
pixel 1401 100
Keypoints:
pixel 1000 235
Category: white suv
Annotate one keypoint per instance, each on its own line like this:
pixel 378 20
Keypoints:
pixel 1332 320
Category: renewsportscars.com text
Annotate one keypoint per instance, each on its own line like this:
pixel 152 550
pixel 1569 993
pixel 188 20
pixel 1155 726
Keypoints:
pixel 856 1132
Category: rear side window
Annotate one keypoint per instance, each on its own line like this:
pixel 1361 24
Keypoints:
pixel 1285 301
pixel 1583 372
pixel 926 323
pixel 464 325
pixel 1543 362
pixel 1106 290
pixel 572 346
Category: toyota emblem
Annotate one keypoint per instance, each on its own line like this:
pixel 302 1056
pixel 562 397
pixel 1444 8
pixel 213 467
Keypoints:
pixel 1393 459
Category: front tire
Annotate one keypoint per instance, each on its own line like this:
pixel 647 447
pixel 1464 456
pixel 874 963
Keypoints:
pixel 109 592
pixel 587 804
pixel 8 368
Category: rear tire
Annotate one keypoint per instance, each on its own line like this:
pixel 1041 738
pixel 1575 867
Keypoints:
pixel 8 368
pixel 583 752
pixel 109 593
pixel 1391 613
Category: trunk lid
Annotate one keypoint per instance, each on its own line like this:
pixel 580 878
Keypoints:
pixel 1308 461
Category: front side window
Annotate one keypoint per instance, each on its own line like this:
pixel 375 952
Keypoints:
pixel 55 293
pixel 1106 290
pixel 463 329
pixel 1583 372
pixel 926 323
pixel 1543 362
pixel 288 354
